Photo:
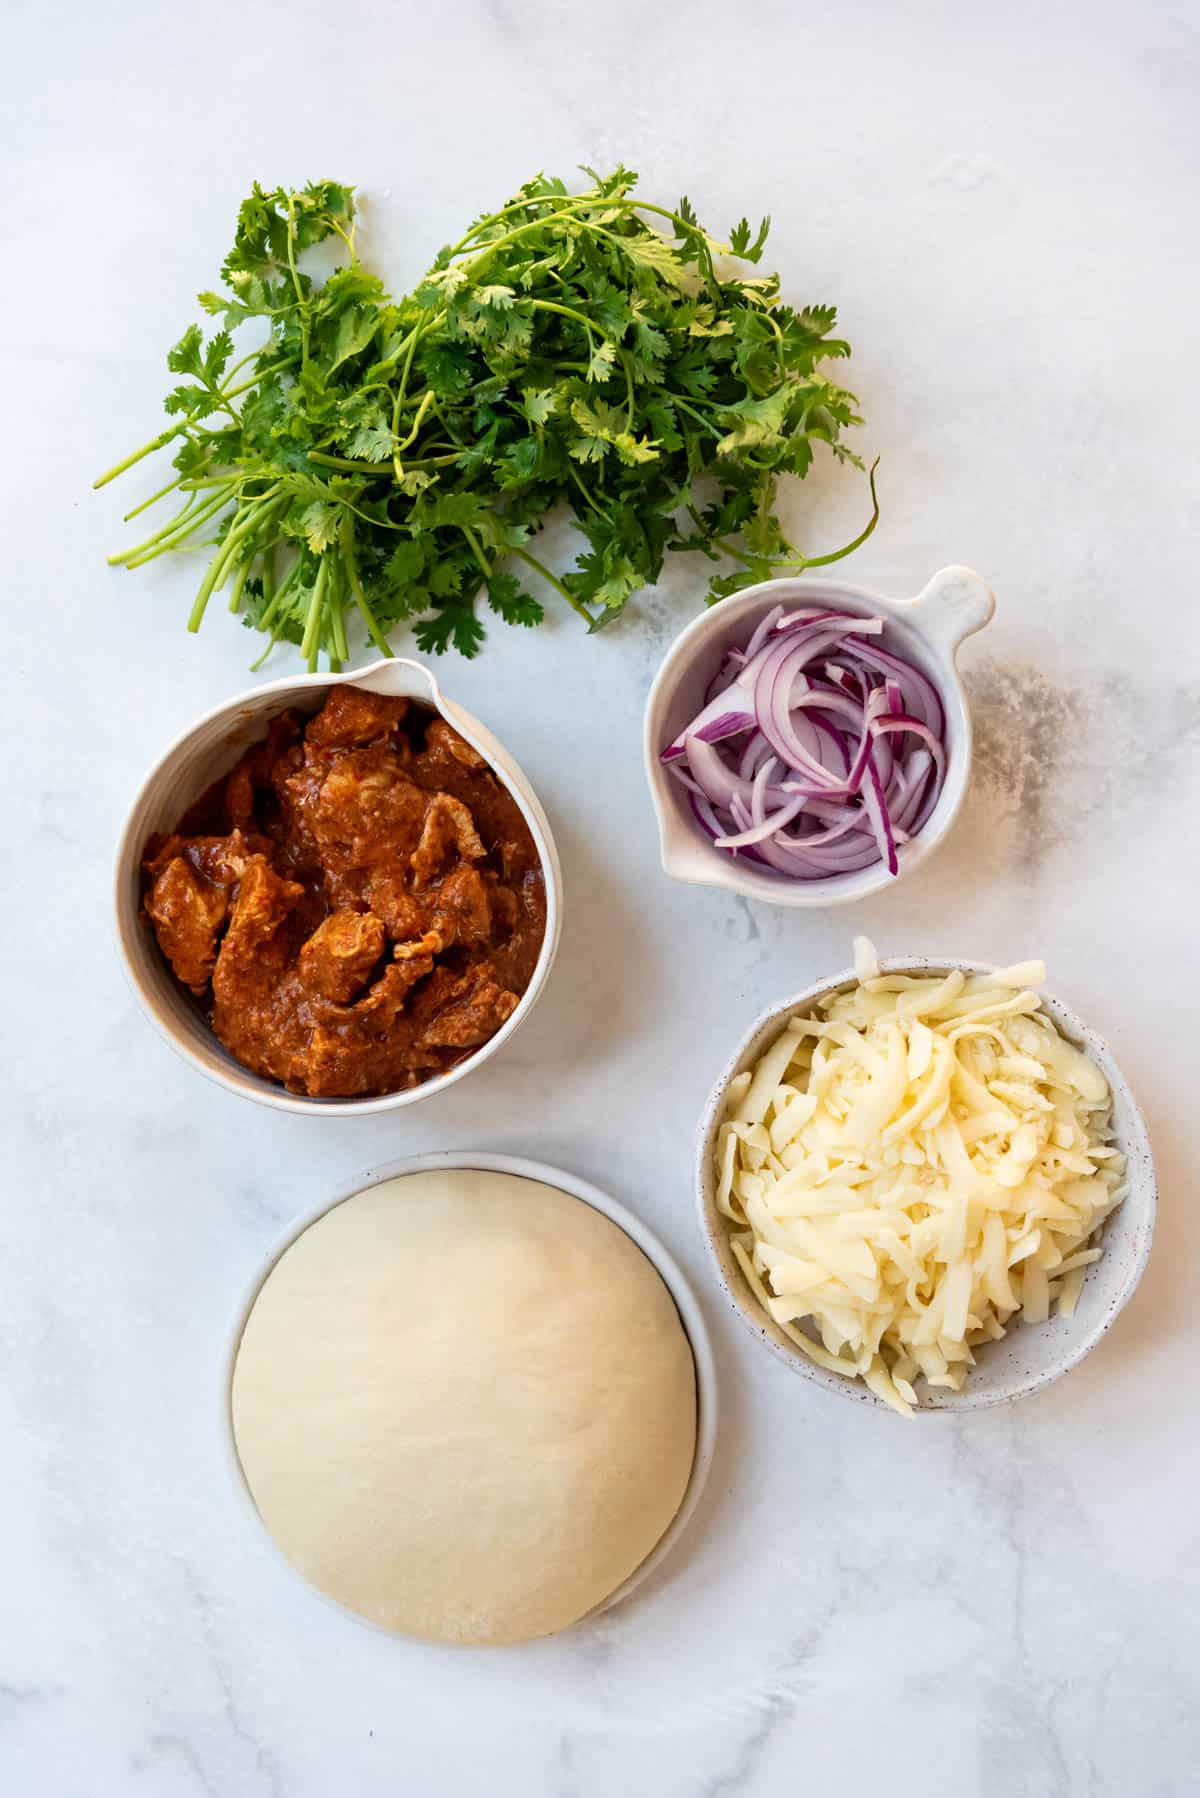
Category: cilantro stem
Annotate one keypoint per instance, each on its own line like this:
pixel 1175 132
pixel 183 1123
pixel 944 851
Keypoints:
pixel 689 233
pixel 337 618
pixel 570 204
pixel 630 401
pixel 723 543
pixel 154 498
pixel 174 531
pixel 856 543
pixel 268 575
pixel 274 639
pixel 310 643
pixel 411 342
pixel 380 470
pixel 147 449
pixel 590 325
pixel 291 256
pixel 163 438
pixel 257 664
pixel 239 581
pixel 476 551
pixel 427 400
pixel 484 250
pixel 382 524
pixel 276 601
pixel 257 514
pixel 231 393
pixel 579 482
pixel 350 559
pixel 691 411
pixel 251 356
pixel 574 205
pixel 576 605
pixel 581 318
pixel 348 465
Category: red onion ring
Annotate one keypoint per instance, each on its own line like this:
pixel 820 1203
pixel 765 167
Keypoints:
pixel 818 751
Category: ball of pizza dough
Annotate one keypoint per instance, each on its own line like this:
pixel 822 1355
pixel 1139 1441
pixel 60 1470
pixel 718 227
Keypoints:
pixel 465 1406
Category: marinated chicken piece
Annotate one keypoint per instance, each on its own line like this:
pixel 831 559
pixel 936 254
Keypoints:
pixel 254 1014
pixel 363 813
pixel 462 911
pixel 356 1048
pixel 447 835
pixel 429 944
pixel 339 955
pixel 474 1014
pixel 264 902
pixel 188 902
pixel 448 764
pixel 352 717
pixel 187 913
pixel 458 909
pixel 404 915
pixel 442 740
pixel 216 859
pixel 383 1002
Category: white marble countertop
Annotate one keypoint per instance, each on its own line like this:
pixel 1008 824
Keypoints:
pixel 1003 204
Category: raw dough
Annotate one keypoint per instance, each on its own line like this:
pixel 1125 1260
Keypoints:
pixel 465 1406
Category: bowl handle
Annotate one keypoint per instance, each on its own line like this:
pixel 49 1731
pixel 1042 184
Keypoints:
pixel 955 604
pixel 398 678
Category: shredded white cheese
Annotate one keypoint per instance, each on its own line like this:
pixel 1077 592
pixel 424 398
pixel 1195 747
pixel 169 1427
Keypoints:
pixel 912 1166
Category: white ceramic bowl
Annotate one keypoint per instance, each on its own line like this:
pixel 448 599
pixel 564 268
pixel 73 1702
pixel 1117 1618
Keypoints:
pixel 689 1311
pixel 209 749
pixel 1031 1355
pixel 928 629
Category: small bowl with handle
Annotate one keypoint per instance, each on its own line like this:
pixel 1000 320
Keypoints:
pixel 928 631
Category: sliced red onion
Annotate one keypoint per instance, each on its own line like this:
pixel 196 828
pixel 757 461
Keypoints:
pixel 768 827
pixel 881 824
pixel 717 721
pixel 818 751
pixel 923 696
pixel 762 631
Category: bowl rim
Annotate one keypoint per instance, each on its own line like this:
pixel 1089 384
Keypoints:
pixel 1135 1145
pixel 660 1258
pixel 926 616
pixel 265 700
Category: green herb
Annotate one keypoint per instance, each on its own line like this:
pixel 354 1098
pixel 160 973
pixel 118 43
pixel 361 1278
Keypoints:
pixel 394 460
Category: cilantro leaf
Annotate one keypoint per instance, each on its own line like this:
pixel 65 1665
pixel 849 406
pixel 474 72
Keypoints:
pixel 507 597
pixel 320 523
pixel 185 358
pixel 741 244
pixel 452 624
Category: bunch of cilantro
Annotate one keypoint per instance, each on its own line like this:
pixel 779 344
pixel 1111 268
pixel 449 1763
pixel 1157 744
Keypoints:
pixel 395 460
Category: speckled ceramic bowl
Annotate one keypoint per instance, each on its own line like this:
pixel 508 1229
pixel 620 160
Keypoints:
pixel 209 749
pixel 1031 1355
pixel 929 630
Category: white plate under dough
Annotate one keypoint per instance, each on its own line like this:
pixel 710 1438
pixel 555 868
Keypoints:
pixel 465 1406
